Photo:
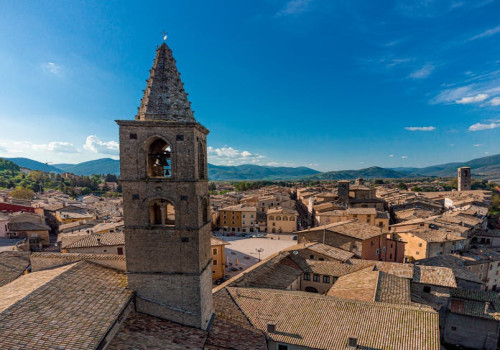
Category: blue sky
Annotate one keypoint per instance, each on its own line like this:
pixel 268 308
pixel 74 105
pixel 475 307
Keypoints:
pixel 326 84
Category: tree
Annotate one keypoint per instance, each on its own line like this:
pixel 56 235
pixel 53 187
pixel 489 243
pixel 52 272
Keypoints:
pixel 111 178
pixel 212 186
pixel 22 193
pixel 402 186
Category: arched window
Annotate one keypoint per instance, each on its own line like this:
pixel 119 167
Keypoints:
pixel 292 218
pixel 285 218
pixel 201 161
pixel 159 159
pixel 271 218
pixel 161 213
pixel 278 218
pixel 204 209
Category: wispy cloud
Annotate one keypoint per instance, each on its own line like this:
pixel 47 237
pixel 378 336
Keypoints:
pixel 404 157
pixel 423 72
pixel 294 8
pixel 478 145
pixel 486 33
pixel 57 146
pixel 230 156
pixel 495 101
pixel 472 99
pixel 391 155
pixel 479 126
pixel 475 87
pixel 420 128
pixel 94 144
pixel 52 68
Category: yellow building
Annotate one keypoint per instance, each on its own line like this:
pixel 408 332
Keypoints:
pixel 425 243
pixel 238 218
pixel 281 220
pixel 218 257
pixel 71 213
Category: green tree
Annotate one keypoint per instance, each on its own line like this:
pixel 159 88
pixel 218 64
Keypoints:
pixel 22 193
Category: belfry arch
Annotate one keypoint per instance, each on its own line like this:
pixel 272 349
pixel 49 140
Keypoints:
pixel 159 158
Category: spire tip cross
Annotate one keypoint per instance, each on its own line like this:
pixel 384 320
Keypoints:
pixel 165 35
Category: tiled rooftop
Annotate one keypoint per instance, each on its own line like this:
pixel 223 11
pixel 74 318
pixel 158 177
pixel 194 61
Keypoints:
pixel 99 240
pixel 12 265
pixel 324 322
pixel 72 306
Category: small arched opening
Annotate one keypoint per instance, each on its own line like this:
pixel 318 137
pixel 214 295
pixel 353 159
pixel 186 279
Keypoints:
pixel 202 175
pixel 161 213
pixel 204 209
pixel 159 159
pixel 311 290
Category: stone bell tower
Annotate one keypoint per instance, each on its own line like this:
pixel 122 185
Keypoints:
pixel 163 172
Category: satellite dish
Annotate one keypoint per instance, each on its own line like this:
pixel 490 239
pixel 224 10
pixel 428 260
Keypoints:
pixel 295 252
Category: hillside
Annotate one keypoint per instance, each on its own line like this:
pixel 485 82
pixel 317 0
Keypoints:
pixel 34 165
pixel 485 167
pixel 257 172
pixel 98 166
pixel 488 167
pixel 367 173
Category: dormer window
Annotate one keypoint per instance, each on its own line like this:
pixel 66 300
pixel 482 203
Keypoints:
pixel 160 159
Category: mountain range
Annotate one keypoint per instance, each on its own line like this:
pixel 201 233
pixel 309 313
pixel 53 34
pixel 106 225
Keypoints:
pixel 485 167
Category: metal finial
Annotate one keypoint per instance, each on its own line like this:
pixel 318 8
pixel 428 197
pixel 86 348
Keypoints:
pixel 165 35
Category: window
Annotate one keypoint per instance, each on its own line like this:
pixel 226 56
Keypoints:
pixel 371 243
pixel 271 218
pixel 311 257
pixel 427 289
pixel 282 347
pixel 251 216
pixel 307 277
pixel 390 256
pixel 204 210
pixel 215 262
pixel 162 213
pixel 321 259
pixel 159 159
pixel 278 218
pixel 417 253
pixel 285 218
pixel 377 251
pixel 201 161
pixel 214 251
pixel 316 278
pixel 326 279
pixel 119 251
pixel 244 216
pixel 420 244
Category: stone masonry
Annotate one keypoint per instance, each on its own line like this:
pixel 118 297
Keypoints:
pixel 168 262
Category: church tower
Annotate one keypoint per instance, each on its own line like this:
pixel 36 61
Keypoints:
pixel 163 172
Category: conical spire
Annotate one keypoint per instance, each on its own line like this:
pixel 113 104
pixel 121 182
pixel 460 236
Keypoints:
pixel 164 97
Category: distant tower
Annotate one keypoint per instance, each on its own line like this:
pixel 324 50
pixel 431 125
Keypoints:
pixel 359 181
pixel 464 179
pixel 163 172
pixel 343 191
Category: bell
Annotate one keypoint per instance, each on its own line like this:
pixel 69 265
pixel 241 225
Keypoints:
pixel 157 162
pixel 167 172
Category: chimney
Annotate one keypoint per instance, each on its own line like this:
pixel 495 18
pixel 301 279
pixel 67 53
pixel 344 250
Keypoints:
pixel 352 343
pixel 271 328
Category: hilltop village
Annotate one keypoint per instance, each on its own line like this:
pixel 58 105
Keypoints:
pixel 169 265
